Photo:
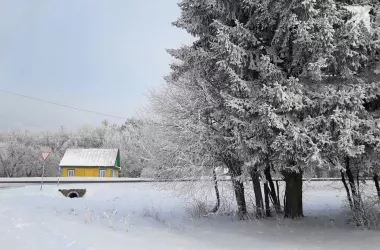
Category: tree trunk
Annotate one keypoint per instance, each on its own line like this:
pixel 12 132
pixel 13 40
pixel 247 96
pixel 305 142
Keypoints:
pixel 358 184
pixel 217 205
pixel 240 198
pixel 357 204
pixel 351 181
pixel 347 190
pixel 266 194
pixel 238 186
pixel 376 180
pixel 272 190
pixel 293 194
pixel 278 193
pixel 258 194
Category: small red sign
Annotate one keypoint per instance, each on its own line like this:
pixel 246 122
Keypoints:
pixel 45 155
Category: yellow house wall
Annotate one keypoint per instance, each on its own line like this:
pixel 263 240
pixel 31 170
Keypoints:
pixel 85 171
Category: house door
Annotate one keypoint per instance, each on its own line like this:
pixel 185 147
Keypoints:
pixel 70 172
pixel 102 173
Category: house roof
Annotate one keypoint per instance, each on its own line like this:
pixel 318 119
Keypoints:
pixel 93 157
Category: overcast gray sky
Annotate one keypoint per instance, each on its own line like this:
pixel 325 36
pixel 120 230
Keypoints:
pixel 100 55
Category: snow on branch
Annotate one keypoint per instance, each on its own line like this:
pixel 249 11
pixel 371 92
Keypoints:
pixel 360 14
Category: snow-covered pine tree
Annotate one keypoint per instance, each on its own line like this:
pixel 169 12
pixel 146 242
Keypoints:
pixel 342 88
pixel 252 99
pixel 333 49
pixel 273 69
pixel 262 100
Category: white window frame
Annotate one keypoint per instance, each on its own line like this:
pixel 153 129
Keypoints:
pixel 102 171
pixel 70 172
pixel 112 173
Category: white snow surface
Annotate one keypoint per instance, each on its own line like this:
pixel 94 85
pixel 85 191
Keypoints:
pixel 152 217
pixel 93 157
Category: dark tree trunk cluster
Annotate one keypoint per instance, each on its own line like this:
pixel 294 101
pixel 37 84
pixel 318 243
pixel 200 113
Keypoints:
pixel 272 190
pixel 293 206
pixel 270 194
pixel 353 194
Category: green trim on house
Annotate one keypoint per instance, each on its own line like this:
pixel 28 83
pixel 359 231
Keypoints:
pixel 117 164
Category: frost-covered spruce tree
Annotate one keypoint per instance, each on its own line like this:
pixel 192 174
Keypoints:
pixel 264 101
pixel 271 69
pixel 343 44
pixel 251 98
pixel 324 48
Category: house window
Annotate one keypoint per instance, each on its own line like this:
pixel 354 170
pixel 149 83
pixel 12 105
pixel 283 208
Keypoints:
pixel 70 172
pixel 102 173
pixel 112 173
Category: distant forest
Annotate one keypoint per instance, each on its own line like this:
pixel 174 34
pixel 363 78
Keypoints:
pixel 20 150
pixel 140 143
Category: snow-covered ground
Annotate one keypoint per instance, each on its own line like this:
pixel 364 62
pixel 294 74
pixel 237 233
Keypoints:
pixel 147 216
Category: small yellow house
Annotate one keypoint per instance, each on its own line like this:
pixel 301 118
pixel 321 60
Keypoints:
pixel 92 162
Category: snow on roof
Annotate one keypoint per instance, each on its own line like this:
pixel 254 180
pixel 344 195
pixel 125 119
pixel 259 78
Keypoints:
pixel 89 157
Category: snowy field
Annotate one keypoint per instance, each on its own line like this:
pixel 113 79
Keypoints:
pixel 147 216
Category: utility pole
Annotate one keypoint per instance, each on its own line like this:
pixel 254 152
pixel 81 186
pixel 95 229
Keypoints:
pixel 44 155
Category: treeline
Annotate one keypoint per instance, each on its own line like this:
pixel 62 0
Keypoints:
pixel 273 88
pixel 20 150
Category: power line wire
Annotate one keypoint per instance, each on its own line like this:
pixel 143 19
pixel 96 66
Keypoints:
pixel 62 105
